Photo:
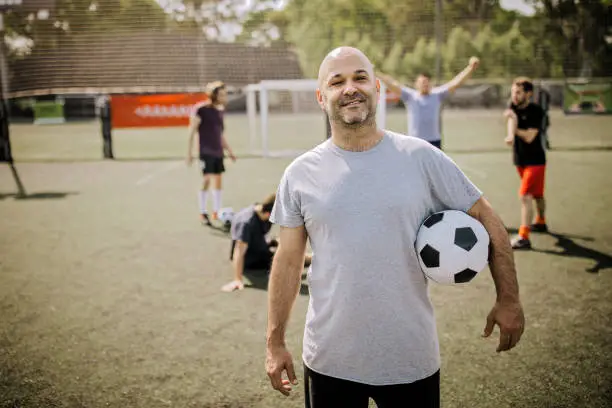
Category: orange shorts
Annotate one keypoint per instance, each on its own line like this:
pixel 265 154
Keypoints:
pixel 532 181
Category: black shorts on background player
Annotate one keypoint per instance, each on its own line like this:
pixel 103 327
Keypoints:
pixel 211 164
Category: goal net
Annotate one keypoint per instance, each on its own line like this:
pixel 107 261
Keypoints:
pixel 285 119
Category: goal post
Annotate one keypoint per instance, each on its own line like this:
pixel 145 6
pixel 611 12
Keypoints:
pixel 296 98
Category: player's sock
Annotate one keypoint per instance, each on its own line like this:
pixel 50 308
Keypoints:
pixel 540 220
pixel 202 200
pixel 216 200
pixel 524 231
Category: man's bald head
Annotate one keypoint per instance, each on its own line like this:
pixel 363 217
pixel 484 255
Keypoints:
pixel 348 90
pixel 341 57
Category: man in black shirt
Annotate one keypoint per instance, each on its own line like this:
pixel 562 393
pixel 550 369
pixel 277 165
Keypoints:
pixel 524 134
pixel 251 249
pixel 207 121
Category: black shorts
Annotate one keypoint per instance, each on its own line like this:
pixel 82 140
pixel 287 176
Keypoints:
pixel 327 392
pixel 211 164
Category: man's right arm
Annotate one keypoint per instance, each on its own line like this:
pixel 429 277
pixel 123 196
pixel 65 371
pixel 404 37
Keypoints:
pixel 284 284
pixel 240 250
pixel 283 288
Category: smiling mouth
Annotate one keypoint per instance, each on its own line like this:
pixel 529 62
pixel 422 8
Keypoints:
pixel 352 103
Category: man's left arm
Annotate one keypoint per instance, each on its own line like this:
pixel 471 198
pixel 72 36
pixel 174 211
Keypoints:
pixel 507 312
pixel 457 81
pixel 227 147
pixel 452 189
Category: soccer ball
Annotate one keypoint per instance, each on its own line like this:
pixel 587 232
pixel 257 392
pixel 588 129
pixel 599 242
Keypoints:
pixel 226 216
pixel 452 247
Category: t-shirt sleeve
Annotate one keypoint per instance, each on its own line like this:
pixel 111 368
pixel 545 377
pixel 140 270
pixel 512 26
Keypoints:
pixel 450 188
pixel 286 211
pixel 441 92
pixel 407 94
pixel 241 231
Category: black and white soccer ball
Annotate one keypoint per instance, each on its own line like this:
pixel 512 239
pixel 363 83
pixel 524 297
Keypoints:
pixel 226 216
pixel 452 247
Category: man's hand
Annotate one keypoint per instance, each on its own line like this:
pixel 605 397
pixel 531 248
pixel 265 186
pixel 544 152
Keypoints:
pixel 231 156
pixel 474 63
pixel 189 160
pixel 509 140
pixel 511 321
pixel 278 359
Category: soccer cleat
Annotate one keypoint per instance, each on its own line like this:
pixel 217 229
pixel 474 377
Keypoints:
pixel 539 228
pixel 520 243
pixel 205 220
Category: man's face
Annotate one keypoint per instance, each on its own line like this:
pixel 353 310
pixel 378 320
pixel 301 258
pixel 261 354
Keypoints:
pixel 423 84
pixel 348 90
pixel 222 97
pixel 265 216
pixel 518 95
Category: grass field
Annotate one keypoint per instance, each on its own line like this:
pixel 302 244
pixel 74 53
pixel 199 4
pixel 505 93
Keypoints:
pixel 109 287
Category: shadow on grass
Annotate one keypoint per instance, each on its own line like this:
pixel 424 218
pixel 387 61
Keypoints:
pixel 22 194
pixel 47 195
pixel 568 247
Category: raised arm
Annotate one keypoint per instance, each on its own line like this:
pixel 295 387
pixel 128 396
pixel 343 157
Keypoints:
pixel 391 83
pixel 507 312
pixel 457 81
pixel 283 288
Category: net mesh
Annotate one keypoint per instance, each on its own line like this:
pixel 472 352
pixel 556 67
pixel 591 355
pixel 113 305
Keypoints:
pixel 179 45
pixel 79 49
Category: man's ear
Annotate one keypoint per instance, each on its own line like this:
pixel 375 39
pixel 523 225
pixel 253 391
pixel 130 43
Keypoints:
pixel 320 99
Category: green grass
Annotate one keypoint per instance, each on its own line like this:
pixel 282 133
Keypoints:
pixel 109 291
pixel 464 131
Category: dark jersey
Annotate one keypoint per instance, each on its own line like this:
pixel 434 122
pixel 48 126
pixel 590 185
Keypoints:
pixel 210 131
pixel 249 228
pixel 529 154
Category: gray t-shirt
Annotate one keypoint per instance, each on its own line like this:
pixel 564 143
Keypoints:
pixel 424 112
pixel 369 316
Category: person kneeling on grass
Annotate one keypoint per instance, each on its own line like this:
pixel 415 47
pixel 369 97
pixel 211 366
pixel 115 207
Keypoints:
pixel 251 248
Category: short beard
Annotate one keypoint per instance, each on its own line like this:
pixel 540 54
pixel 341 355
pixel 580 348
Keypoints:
pixel 368 120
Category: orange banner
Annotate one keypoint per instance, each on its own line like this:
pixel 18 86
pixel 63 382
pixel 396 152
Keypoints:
pixel 130 111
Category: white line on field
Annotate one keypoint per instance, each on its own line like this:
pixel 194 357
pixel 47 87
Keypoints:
pixel 152 175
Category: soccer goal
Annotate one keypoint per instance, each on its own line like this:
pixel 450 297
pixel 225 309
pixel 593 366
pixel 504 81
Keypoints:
pixel 284 118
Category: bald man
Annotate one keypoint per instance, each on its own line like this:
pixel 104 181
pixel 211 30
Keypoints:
pixel 370 328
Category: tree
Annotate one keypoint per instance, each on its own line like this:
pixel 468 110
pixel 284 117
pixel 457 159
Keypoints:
pixel 578 30
pixel 74 19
